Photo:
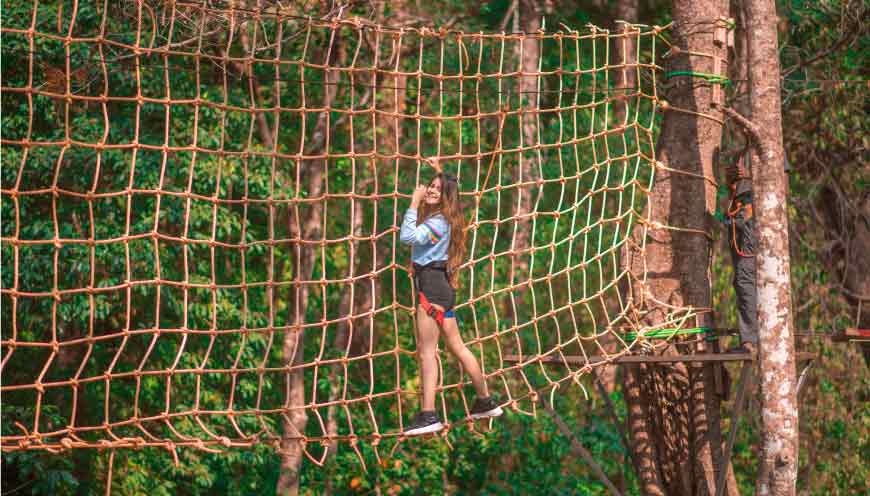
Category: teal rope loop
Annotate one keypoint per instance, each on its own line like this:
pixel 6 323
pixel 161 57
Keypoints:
pixel 706 76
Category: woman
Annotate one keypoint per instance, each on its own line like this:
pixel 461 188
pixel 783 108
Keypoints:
pixel 434 225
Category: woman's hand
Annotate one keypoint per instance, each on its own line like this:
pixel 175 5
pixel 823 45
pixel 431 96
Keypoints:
pixel 417 197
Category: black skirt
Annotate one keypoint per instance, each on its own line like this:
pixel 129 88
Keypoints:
pixel 431 280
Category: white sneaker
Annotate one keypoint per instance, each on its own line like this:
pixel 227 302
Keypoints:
pixel 424 423
pixel 485 408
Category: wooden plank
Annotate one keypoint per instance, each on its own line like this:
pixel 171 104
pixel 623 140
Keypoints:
pixel 850 334
pixel 595 359
pixel 857 334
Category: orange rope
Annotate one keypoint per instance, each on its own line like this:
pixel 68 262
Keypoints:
pixel 732 214
pixel 248 252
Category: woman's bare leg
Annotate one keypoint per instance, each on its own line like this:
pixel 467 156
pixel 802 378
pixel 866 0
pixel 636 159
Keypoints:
pixel 427 349
pixel 466 358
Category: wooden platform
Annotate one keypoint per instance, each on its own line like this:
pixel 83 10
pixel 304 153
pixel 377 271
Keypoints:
pixel 700 357
pixel 851 334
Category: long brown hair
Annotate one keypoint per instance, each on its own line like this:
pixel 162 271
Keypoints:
pixel 451 209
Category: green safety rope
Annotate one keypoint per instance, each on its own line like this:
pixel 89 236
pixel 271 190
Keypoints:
pixel 706 76
pixel 669 333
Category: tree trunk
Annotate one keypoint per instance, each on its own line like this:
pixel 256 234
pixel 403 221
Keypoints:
pixel 529 53
pixel 857 259
pixel 624 50
pixel 624 84
pixel 674 409
pixel 849 227
pixel 778 471
pixel 308 225
pixel 387 136
pixel 291 455
pixel 352 300
pixel 643 442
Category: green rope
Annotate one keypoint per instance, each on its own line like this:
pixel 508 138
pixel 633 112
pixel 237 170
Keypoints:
pixel 706 76
pixel 669 333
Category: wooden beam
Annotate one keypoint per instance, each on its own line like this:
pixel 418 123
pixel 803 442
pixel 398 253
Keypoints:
pixel 595 359
pixel 851 334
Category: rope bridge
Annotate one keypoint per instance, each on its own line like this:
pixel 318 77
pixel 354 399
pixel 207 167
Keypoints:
pixel 201 201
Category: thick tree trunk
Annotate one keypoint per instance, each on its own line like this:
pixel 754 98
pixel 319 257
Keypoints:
pixel 674 410
pixel 778 471
pixel 643 442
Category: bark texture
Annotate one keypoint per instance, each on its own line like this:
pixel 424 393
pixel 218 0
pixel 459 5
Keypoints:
pixel 674 409
pixel 778 469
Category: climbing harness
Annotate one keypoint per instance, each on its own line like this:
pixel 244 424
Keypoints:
pixel 734 208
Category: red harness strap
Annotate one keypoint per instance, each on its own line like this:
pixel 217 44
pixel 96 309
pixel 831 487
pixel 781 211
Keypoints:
pixel 430 310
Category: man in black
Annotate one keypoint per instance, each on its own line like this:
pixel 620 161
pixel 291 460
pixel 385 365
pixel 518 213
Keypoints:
pixel 742 239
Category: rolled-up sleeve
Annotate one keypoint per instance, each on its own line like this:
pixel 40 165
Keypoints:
pixel 429 232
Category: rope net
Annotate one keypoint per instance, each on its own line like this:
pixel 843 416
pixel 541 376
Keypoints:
pixel 202 203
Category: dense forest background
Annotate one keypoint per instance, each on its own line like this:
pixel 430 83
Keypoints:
pixel 824 48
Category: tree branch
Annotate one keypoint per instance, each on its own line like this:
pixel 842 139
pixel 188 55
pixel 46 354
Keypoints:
pixel 752 130
pixel 507 16
pixel 848 36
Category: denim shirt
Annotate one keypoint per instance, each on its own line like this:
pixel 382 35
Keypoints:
pixel 429 240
